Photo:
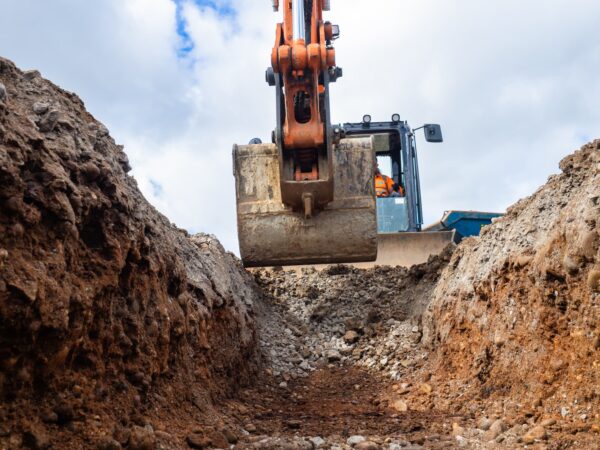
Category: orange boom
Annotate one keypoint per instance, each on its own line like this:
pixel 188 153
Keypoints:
pixel 309 196
pixel 302 66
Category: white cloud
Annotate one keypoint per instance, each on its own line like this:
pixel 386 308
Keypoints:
pixel 514 85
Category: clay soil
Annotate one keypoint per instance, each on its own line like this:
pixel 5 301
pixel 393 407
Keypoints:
pixel 340 402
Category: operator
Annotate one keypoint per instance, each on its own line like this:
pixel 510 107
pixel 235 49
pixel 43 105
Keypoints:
pixel 384 185
pixel 397 191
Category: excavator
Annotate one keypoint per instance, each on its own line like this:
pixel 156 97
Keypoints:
pixel 308 198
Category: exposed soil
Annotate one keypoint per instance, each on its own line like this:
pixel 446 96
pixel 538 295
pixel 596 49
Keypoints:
pixel 118 330
pixel 339 403
pixel 108 313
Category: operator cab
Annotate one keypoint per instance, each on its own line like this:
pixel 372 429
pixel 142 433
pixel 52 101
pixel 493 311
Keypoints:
pixel 395 144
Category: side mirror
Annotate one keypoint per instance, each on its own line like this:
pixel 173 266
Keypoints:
pixel 433 133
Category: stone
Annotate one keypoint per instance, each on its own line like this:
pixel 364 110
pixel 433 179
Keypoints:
pixel 230 435
pixel 218 439
pixel 31 74
pixel 351 337
pixel 278 443
pixel 484 423
pixel 462 441
pixel 457 430
pixel 163 435
pixel 367 445
pixel 40 108
pixel 523 260
pixel 356 439
pixel 48 122
pixel 65 413
pixel 570 265
pixel 108 443
pixel 426 389
pixel 400 406
pixel 142 439
pixel 121 434
pixel 593 280
pixel 3 93
pixel 317 441
pixel 294 424
pixel 495 430
pixel 548 423
pixel 333 355
pixel 198 440
pixel 535 434
pixel 49 417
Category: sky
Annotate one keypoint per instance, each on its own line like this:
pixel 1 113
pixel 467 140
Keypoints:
pixel 515 86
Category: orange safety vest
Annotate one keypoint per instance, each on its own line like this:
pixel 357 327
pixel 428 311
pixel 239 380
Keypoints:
pixel 383 185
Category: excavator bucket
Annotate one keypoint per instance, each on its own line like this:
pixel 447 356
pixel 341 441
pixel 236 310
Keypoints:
pixel 272 234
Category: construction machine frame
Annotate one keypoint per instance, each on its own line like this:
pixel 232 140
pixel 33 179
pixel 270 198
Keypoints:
pixel 309 196
pixel 302 67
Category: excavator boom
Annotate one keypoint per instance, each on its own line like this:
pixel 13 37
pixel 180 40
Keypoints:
pixel 308 197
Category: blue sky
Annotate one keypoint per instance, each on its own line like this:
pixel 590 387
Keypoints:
pixel 223 8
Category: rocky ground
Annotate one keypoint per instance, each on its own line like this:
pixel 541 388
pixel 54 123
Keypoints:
pixel 118 330
pixel 111 319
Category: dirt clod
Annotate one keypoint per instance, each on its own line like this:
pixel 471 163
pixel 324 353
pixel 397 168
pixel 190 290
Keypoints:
pixel 142 439
pixel 197 440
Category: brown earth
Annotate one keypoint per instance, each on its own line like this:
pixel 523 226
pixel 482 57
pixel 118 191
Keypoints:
pixel 110 317
pixel 118 330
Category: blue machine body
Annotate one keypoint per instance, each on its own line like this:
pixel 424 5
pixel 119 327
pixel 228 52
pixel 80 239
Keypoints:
pixel 465 223
pixel 396 140
pixel 392 215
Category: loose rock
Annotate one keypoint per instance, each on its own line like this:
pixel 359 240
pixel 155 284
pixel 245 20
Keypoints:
pixel 40 108
pixel 495 430
pixel 535 434
pixel 142 439
pixel 356 439
pixel 108 443
pixel 367 445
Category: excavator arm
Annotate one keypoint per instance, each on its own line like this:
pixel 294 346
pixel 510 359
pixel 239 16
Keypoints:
pixel 309 196
pixel 302 66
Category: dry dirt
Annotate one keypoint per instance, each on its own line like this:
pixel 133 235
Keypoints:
pixel 118 330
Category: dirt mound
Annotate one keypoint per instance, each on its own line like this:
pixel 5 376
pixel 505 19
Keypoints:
pixel 111 319
pixel 334 342
pixel 515 320
pixel 510 348
pixel 344 314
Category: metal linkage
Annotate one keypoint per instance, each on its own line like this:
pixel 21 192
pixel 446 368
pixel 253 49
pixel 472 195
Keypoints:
pixel 299 20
